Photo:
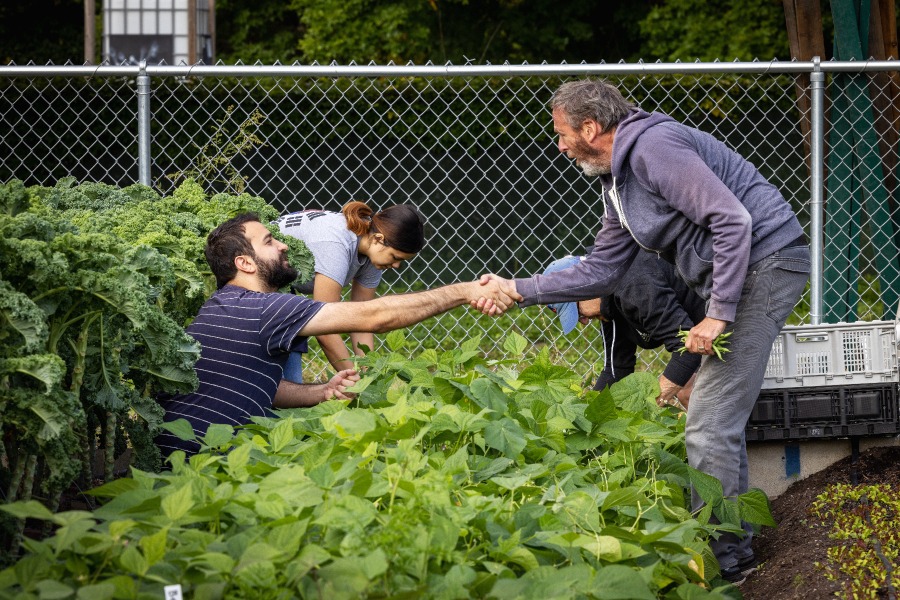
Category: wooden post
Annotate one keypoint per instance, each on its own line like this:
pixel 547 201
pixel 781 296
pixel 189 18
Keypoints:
pixel 212 31
pixel 90 31
pixel 885 90
pixel 804 28
pixel 192 32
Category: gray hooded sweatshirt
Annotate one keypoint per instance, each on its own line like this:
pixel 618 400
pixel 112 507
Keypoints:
pixel 684 195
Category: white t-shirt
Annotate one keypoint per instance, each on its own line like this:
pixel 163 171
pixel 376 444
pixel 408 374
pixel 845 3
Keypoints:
pixel 334 247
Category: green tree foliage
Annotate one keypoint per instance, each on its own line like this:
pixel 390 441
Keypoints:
pixel 263 30
pixel 42 31
pixel 439 31
pixel 714 29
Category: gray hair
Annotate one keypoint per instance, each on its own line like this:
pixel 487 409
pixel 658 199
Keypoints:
pixel 591 99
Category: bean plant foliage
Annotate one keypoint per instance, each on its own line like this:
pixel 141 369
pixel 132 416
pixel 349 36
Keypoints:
pixel 96 286
pixel 447 476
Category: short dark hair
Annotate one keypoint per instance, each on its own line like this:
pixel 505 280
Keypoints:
pixel 225 243
pixel 593 99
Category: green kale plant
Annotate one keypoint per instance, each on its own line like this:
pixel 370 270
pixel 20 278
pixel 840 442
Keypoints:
pixel 96 286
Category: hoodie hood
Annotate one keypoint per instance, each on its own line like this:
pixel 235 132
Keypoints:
pixel 629 130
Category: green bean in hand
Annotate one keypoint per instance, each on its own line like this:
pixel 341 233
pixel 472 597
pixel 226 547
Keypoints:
pixel 719 345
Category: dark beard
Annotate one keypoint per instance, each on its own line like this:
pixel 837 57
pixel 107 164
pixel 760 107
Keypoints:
pixel 276 274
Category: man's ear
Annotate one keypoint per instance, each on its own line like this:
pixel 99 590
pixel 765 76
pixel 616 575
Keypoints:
pixel 591 129
pixel 245 264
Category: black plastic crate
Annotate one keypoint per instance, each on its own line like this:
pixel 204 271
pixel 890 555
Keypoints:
pixel 824 412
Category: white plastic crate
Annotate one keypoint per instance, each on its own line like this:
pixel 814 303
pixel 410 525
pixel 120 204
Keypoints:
pixel 833 354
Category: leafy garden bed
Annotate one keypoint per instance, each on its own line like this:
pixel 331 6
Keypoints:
pixel 449 477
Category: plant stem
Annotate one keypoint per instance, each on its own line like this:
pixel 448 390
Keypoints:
pixel 109 472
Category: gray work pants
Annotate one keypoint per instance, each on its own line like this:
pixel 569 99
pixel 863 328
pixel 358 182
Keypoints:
pixel 726 390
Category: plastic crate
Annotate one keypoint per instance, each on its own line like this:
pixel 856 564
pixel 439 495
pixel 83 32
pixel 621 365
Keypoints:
pixel 823 412
pixel 833 354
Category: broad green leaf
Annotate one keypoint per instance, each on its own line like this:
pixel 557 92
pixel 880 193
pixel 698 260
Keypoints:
pixel 50 589
pixel 453 584
pixel 496 465
pixel 472 344
pixel 343 578
pixel 603 547
pixel 133 561
pixel 617 429
pixel 728 513
pixel 754 508
pixel 396 340
pixel 540 375
pixel 350 423
pixel 523 557
pixel 506 436
pixel 236 462
pixel 70 534
pixel 217 561
pixel 30 509
pixel 515 344
pixel 259 574
pixel 374 564
pixel 488 395
pixel 512 482
pixel 115 487
pixel 347 512
pixel 180 428
pixel 282 434
pixel 617 582
pixel 154 546
pixel 628 496
pixel 636 392
pixel 70 516
pixel 601 407
pixel 124 586
pixel 99 591
pixel 218 435
pixel 708 487
pixel 178 503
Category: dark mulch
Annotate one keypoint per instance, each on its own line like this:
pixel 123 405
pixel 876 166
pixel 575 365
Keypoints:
pixel 789 552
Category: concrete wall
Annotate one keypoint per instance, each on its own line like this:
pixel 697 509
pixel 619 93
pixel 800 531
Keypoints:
pixel 774 466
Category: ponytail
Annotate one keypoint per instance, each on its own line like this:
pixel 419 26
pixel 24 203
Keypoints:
pixel 402 225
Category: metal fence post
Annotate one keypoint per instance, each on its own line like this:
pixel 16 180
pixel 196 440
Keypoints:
pixel 143 94
pixel 817 187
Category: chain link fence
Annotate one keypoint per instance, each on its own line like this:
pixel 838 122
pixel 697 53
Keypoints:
pixel 473 147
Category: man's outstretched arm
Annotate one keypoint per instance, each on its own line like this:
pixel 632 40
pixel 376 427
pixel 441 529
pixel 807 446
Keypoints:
pixel 402 310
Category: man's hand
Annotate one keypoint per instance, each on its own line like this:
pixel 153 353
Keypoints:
pixel 700 338
pixel 672 394
pixel 336 387
pixel 669 394
pixel 497 295
pixel 299 395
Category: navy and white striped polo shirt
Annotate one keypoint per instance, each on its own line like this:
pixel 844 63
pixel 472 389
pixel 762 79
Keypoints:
pixel 245 338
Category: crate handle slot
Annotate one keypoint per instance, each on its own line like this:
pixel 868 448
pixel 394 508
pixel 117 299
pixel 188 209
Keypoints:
pixel 813 337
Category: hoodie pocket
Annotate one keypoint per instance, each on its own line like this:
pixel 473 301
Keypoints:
pixel 696 272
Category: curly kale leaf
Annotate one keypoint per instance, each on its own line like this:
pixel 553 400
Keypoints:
pixel 23 325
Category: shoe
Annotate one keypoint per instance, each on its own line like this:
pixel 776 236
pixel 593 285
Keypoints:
pixel 738 574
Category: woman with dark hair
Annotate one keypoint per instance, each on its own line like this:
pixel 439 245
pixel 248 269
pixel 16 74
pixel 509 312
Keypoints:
pixel 351 248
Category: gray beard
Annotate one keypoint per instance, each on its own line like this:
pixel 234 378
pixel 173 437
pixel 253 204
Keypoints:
pixel 592 170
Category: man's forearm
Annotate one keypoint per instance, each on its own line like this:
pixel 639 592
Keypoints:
pixel 388 313
pixel 298 395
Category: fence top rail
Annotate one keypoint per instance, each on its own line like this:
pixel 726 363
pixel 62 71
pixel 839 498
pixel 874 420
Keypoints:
pixel 505 70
